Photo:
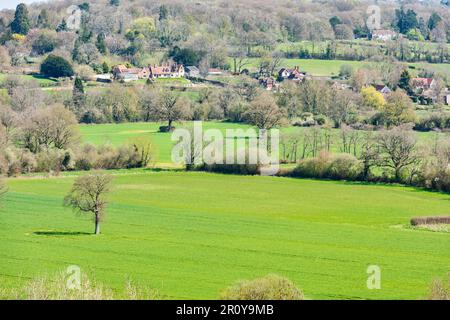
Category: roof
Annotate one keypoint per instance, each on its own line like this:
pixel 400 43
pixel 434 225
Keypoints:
pixel 423 81
pixel 192 68
pixel 384 33
pixel 382 87
pixel 165 69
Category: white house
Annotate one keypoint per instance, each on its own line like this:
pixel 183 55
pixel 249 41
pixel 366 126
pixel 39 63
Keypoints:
pixel 383 35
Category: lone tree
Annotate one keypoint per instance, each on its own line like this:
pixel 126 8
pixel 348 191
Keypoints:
pixel 21 23
pixel 57 67
pixel 169 108
pixel 88 195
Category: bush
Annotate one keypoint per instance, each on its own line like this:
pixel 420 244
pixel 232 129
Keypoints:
pixel 56 67
pixel 133 155
pixel 55 288
pixel 17 161
pixel 344 167
pixel 271 287
pixel 432 122
pixel 327 166
pixel 166 129
pixel 240 169
pixel 314 167
pixel 54 160
pixel 430 220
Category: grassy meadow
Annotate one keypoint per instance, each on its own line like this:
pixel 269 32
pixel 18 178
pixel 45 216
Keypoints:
pixel 117 134
pixel 189 235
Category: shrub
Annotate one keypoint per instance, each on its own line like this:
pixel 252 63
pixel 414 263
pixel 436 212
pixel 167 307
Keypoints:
pixel 166 129
pixel 344 167
pixel 430 220
pixel 328 166
pixel 54 160
pixel 314 167
pixel 17 161
pixel 271 287
pixel 55 288
pixel 56 67
pixel 432 122
pixel 240 169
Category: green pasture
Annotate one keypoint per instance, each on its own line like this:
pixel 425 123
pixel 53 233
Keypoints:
pixel 189 235
pixel 117 134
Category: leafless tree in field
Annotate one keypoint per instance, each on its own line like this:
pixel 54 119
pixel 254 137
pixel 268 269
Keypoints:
pixel 88 195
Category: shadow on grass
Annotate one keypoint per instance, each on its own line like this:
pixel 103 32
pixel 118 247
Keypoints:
pixel 60 233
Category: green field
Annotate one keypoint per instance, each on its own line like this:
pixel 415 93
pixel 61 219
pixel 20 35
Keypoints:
pixel 117 134
pixel 330 68
pixel 120 133
pixel 43 81
pixel 189 235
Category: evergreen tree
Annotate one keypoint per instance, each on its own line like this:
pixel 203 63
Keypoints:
pixel 21 23
pixel 105 67
pixel 334 21
pixel 434 21
pixel 405 82
pixel 100 43
pixel 62 26
pixel 163 13
pixel 406 20
pixel 78 93
pixel 42 21
pixel 85 34
pixel 56 67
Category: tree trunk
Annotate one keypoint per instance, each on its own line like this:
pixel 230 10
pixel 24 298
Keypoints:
pixel 97 224
pixel 170 125
pixel 397 175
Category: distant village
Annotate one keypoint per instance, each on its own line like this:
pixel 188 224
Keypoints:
pixel 422 87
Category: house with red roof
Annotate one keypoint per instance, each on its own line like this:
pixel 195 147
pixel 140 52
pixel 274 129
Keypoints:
pixel 167 70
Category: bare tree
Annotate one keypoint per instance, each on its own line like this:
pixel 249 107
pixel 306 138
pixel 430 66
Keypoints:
pixel 170 108
pixel 264 113
pixel 369 154
pixel 144 148
pixel 53 126
pixel 398 150
pixel 88 195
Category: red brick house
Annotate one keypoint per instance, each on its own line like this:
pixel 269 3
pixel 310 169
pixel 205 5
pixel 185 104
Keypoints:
pixel 167 71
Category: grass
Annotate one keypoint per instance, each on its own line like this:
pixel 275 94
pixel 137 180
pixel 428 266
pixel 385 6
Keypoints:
pixel 120 133
pixel 43 81
pixel 190 235
pixel 331 68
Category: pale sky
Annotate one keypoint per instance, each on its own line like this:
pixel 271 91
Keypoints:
pixel 11 4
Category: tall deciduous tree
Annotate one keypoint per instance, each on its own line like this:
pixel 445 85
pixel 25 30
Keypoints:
pixel 264 112
pixel 398 149
pixel 88 195
pixel 169 108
